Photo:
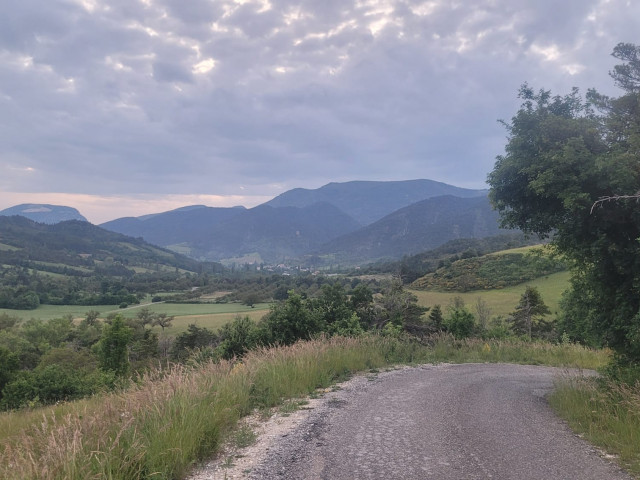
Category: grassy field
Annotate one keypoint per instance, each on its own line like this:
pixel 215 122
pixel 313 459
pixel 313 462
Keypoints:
pixel 211 321
pixel 502 301
pixel 211 316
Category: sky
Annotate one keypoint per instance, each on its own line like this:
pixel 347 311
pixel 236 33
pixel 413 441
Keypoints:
pixel 128 107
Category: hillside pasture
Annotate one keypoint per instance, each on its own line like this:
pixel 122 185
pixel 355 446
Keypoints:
pixel 502 301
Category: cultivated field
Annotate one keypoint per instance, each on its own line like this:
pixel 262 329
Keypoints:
pixel 210 315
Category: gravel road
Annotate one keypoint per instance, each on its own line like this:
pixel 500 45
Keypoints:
pixel 473 421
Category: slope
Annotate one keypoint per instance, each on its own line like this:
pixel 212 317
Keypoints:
pixel 274 233
pixel 44 213
pixel 80 246
pixel 416 228
pixel 186 224
pixel 368 201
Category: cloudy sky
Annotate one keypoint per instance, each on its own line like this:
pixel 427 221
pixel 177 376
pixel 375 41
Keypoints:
pixel 127 107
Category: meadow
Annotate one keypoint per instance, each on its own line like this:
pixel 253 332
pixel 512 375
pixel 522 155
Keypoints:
pixel 207 315
pixel 502 301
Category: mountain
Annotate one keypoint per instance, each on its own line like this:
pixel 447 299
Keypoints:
pixel 266 233
pixel 327 222
pixel 78 247
pixel 368 202
pixel 273 233
pixel 421 226
pixel 43 213
pixel 183 225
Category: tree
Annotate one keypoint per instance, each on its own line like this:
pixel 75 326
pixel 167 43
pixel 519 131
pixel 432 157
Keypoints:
pixel 163 320
pixel 9 365
pixel 113 347
pixel 237 337
pixel 528 317
pixel 483 313
pixel 459 321
pixel 290 321
pixel 436 318
pixel 195 337
pixel 91 317
pixel 562 155
pixel 250 299
pixel 361 302
pixel 145 316
pixel 400 308
pixel 332 307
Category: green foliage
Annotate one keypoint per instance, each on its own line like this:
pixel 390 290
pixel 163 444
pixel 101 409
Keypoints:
pixel 529 316
pixel 194 338
pixel 237 337
pixel 459 321
pixel 9 364
pixel 113 347
pixel 50 384
pixel 563 155
pixel 490 272
pixel 400 307
pixel 290 321
pixel 436 318
pixel 413 267
pixel 336 312
pixel 7 321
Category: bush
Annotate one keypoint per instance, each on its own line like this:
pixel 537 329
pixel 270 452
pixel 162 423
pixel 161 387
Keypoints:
pixel 237 337
pixel 460 322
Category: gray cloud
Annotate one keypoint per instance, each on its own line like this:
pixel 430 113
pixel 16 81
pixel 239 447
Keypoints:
pixel 208 97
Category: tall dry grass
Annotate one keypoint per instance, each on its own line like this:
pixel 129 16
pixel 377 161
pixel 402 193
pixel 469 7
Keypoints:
pixel 167 421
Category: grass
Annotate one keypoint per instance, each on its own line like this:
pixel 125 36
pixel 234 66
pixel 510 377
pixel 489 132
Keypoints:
pixel 212 321
pixel 502 301
pixel 210 315
pixel 606 414
pixel 169 420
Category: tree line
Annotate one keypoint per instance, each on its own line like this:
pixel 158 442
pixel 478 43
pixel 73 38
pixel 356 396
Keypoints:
pixel 563 156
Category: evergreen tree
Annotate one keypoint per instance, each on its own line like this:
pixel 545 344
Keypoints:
pixel 528 317
pixel 113 347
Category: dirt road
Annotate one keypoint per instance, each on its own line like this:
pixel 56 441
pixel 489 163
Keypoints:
pixel 446 422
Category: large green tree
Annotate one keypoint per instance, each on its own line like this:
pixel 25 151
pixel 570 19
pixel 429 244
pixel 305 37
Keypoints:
pixel 563 155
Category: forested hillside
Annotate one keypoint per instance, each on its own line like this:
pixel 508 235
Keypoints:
pixel 421 226
pixel 78 263
pixel 490 271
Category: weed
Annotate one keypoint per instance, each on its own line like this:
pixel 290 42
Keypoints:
pixel 244 437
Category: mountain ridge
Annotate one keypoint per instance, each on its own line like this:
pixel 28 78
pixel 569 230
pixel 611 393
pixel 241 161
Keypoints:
pixel 44 213
pixel 418 227
pixel 369 201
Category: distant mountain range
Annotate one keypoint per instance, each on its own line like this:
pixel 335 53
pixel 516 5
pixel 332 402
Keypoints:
pixel 346 223
pixel 367 202
pixel 43 213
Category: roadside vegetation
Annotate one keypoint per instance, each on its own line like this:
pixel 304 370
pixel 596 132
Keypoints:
pixel 169 419
pixel 570 170
pixel 606 412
